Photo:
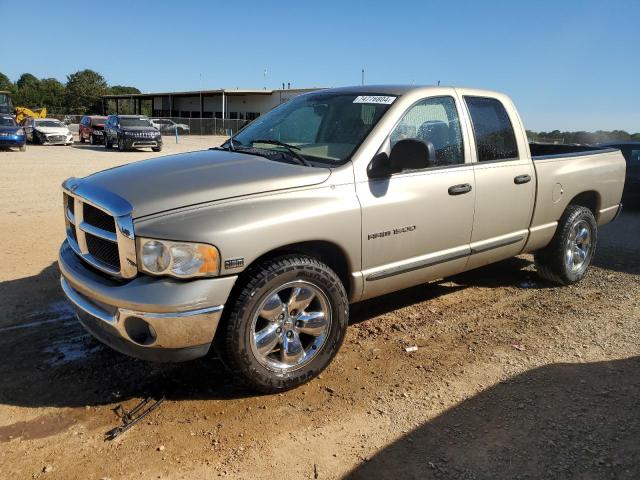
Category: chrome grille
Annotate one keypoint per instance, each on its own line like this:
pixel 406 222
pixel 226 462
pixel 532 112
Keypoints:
pixel 100 229
pixel 98 218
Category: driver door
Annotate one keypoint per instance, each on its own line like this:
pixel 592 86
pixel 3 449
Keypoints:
pixel 416 225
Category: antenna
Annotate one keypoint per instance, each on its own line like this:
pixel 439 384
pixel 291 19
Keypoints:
pixel 438 82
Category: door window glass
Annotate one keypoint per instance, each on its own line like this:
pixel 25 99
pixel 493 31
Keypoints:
pixel 433 120
pixel 495 139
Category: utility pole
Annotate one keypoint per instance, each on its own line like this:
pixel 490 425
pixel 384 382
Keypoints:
pixel 363 76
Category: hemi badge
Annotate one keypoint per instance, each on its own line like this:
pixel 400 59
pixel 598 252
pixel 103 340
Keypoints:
pixel 234 263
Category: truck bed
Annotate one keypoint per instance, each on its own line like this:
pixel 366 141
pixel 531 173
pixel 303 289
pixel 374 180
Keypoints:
pixel 548 150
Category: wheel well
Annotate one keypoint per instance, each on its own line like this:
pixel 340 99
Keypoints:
pixel 326 252
pixel 590 200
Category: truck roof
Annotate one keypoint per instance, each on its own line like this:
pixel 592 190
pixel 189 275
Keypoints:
pixel 403 89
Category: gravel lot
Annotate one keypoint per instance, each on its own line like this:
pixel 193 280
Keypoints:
pixel 513 377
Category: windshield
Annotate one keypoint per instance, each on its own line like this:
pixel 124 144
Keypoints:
pixel 49 123
pixel 325 127
pixel 134 122
pixel 7 122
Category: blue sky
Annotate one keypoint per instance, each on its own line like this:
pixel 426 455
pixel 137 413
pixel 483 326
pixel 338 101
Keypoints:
pixel 568 65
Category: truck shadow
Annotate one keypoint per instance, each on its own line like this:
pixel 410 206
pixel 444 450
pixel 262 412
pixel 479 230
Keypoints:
pixel 557 421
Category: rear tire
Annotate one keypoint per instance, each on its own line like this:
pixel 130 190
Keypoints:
pixel 286 323
pixel 82 138
pixel 567 258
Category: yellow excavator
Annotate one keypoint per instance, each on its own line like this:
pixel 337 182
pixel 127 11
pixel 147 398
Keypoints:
pixel 6 106
pixel 24 112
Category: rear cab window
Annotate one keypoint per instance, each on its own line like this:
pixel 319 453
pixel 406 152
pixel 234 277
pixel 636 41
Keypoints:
pixel 492 128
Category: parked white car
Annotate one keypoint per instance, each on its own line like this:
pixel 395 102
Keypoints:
pixel 169 126
pixel 47 131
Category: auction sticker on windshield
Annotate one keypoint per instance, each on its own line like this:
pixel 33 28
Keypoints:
pixel 380 99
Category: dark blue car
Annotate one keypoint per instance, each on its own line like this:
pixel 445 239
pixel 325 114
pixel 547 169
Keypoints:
pixel 11 134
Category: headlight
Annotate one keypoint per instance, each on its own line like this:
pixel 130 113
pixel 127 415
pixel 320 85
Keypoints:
pixel 178 259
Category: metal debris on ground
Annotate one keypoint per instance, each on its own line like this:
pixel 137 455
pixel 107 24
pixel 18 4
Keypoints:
pixel 519 347
pixel 133 416
pixel 411 349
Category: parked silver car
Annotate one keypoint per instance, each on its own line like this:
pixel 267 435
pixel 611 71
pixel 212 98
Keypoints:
pixel 168 126
pixel 47 131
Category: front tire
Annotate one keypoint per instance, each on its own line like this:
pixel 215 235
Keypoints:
pixel 157 149
pixel 107 144
pixel 286 324
pixel 567 258
pixel 23 148
pixel 121 145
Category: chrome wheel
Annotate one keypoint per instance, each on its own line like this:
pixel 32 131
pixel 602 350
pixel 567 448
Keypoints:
pixel 578 247
pixel 290 326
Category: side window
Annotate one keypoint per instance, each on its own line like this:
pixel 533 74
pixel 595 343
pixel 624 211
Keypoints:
pixel 493 131
pixel 433 120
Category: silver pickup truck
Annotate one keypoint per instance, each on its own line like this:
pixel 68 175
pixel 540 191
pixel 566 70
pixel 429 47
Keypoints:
pixel 259 246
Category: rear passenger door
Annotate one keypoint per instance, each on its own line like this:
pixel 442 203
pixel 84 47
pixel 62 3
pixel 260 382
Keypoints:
pixel 505 182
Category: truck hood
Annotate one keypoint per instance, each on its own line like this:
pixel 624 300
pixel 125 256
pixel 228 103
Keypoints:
pixel 175 181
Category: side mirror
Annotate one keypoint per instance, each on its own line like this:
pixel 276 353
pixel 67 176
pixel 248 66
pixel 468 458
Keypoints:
pixel 407 154
pixel 412 154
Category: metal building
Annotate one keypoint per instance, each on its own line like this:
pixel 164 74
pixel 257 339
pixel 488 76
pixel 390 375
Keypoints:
pixel 225 103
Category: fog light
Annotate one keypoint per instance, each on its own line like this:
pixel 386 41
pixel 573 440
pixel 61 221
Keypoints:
pixel 140 331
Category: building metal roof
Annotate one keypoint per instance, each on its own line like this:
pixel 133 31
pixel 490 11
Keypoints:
pixel 226 91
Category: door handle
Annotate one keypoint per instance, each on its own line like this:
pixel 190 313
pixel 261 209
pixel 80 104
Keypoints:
pixel 520 179
pixel 459 189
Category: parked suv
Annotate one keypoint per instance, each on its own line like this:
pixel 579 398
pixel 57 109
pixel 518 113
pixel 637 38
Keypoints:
pixel 131 131
pixel 91 128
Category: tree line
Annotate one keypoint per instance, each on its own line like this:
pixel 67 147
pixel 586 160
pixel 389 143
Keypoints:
pixel 81 94
pixel 599 136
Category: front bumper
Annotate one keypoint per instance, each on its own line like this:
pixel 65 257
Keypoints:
pixel 157 319
pixel 12 140
pixel 142 142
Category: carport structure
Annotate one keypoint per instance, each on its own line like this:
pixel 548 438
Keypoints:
pixel 245 104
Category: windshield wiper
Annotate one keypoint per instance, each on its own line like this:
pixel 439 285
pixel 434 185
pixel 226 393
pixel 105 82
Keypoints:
pixel 290 148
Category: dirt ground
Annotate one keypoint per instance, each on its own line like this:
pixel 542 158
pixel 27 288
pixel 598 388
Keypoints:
pixel 512 378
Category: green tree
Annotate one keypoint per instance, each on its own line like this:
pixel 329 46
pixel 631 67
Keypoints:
pixel 5 83
pixel 84 91
pixel 123 90
pixel 52 94
pixel 27 91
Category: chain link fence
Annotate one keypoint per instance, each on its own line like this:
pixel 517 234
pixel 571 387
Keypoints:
pixel 183 125
pixel 198 126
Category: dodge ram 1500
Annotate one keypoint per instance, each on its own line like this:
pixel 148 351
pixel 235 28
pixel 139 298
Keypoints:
pixel 258 247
